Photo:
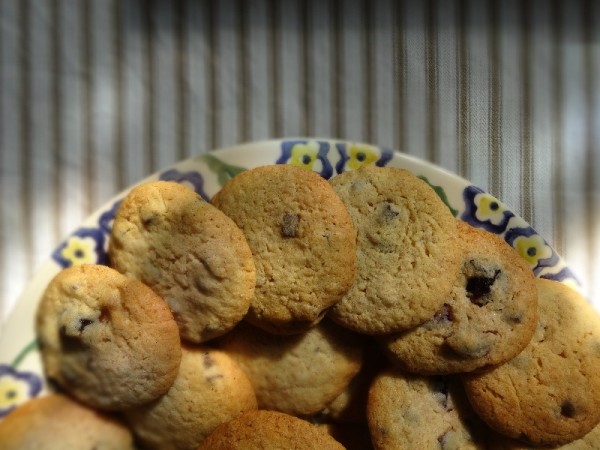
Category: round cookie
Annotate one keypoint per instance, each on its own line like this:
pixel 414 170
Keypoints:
pixel 55 422
pixel 269 430
pixel 549 394
pixel 302 240
pixel 413 412
pixel 407 250
pixel 107 339
pixel 300 374
pixel 210 390
pixel 588 442
pixel 489 317
pixel 188 252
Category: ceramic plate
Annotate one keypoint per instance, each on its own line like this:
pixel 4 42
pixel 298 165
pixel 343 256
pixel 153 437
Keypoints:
pixel 20 368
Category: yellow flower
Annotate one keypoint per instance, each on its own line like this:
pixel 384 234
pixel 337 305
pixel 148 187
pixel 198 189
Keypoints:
pixel 360 155
pixel 80 250
pixel 489 209
pixel 13 392
pixel 305 155
pixel 532 249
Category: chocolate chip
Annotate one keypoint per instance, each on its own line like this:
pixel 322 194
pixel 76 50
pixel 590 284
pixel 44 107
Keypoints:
pixel 68 341
pixel 440 386
pixel 388 213
pixel 207 361
pixel 83 323
pixel 567 409
pixel 478 287
pixel 104 315
pixel 289 225
pixel 444 314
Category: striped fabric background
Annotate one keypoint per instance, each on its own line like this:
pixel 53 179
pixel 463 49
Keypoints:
pixel 95 95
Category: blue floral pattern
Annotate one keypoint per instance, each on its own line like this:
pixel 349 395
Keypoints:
pixel 532 248
pixel 191 179
pixel 84 246
pixel 309 154
pixel 16 388
pixel 482 210
pixel 352 156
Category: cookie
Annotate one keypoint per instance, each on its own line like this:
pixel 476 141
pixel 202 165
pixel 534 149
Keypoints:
pixel 549 394
pixel 55 422
pixel 407 250
pixel 269 430
pixel 299 374
pixel 210 390
pixel 188 252
pixel 407 412
pixel 302 240
pixel 107 339
pixel 588 442
pixel 489 317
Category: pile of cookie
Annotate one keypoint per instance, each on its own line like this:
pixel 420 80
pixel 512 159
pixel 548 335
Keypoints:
pixel 295 312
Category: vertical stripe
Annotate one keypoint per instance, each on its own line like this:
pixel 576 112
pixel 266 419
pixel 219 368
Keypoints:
pixel 495 94
pixel 400 75
pixel 257 42
pixel 290 75
pixel 57 106
pixel 463 87
pixel 557 124
pixel 527 162
pixel 591 122
pixel 181 81
pixel 211 62
pixel 322 70
pixel 337 63
pixel 431 74
pixel 351 73
pixel 119 140
pixel 244 80
pixel 305 64
pixel 148 8
pixel 87 85
pixel 25 203
pixel 367 49
pixel 274 41
pixel 5 251
pixel 383 73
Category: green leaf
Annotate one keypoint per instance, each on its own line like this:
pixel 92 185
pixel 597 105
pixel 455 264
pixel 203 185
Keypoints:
pixel 224 171
pixel 33 345
pixel 441 194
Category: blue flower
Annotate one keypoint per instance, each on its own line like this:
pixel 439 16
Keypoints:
pixel 16 388
pixel 532 248
pixel 564 276
pixel 84 246
pixel 352 156
pixel 482 210
pixel 106 219
pixel 191 179
pixel 311 155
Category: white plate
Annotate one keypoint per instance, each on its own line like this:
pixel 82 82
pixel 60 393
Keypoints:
pixel 20 369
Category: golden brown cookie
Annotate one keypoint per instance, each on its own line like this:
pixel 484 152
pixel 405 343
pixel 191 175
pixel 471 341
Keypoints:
pixel 297 374
pixel 549 394
pixel 55 422
pixel 269 430
pixel 489 317
pixel 590 441
pixel 407 250
pixel 107 339
pixel 302 240
pixel 210 390
pixel 188 252
pixel 408 412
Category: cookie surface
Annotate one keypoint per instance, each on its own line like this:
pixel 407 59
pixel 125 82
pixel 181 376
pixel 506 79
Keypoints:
pixel 302 241
pixel 107 339
pixel 187 251
pixel 210 389
pixel 406 250
pixel 269 430
pixel 55 422
pixel 549 394
pixel 299 374
pixel 413 412
pixel 488 319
